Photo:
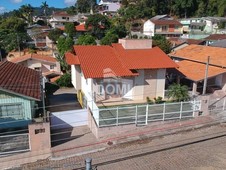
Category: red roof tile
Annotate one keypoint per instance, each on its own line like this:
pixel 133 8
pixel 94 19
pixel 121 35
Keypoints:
pixel 81 28
pixel 71 59
pixel 20 80
pixel 61 13
pixel 96 61
pixel 166 22
pixel 153 58
pixel 196 71
pixel 34 56
pixel 201 52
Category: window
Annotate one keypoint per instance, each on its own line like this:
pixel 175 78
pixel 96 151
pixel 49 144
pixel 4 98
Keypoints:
pixel 63 17
pixel 52 66
pixel 164 28
pixel 12 110
pixel 37 68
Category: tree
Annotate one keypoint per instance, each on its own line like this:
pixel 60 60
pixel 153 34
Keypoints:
pixel 45 7
pixel 109 39
pixel 99 24
pixel 162 42
pixel 26 12
pixel 119 30
pixel 64 80
pixel 178 92
pixel 71 10
pixel 84 6
pixel 64 45
pixel 86 40
pixel 55 34
pixel 70 29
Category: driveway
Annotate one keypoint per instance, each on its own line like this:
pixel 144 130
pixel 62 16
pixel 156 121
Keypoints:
pixel 62 100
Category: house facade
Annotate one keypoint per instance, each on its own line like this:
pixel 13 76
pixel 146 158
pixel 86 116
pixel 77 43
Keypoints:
pixel 108 7
pixel 162 26
pixel 20 92
pixel 114 73
pixel 59 19
pixel 192 61
pixel 47 65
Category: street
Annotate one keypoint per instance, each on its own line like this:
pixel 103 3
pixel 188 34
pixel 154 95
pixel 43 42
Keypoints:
pixel 198 149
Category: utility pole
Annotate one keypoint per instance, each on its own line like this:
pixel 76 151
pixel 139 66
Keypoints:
pixel 43 97
pixel 206 76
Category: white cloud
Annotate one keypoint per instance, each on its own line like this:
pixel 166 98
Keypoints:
pixel 16 1
pixel 69 2
pixel 2 9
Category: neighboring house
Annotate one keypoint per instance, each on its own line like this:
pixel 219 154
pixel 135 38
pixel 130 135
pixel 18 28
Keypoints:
pixel 193 68
pixel 107 73
pixel 20 90
pixel 213 24
pixel 59 19
pixel 178 43
pixel 193 25
pixel 48 66
pixel 162 25
pixel 214 38
pixel 220 43
pixel 39 35
pixel 108 7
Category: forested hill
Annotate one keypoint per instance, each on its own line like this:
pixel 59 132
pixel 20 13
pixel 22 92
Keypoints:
pixel 179 8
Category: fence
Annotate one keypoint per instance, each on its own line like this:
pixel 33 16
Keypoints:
pixel 14 143
pixel 217 105
pixel 143 114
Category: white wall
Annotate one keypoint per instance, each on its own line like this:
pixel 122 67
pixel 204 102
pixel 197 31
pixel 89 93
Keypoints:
pixel 68 119
pixel 161 74
pixel 138 90
pixel 149 28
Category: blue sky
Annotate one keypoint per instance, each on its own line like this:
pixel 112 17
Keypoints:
pixel 9 5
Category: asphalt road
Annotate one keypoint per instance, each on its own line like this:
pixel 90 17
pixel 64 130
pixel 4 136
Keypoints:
pixel 202 149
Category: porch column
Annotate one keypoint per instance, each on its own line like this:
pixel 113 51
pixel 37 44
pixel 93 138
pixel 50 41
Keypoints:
pixel 194 88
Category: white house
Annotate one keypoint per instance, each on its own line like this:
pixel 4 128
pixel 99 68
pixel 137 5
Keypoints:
pixel 162 25
pixel 114 73
pixel 59 19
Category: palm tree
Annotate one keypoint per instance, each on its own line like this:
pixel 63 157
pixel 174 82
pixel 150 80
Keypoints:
pixel 26 12
pixel 45 7
pixel 178 92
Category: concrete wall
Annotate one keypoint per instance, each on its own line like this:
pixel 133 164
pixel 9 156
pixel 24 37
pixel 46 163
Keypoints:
pixel 76 77
pixel 136 43
pixel 39 136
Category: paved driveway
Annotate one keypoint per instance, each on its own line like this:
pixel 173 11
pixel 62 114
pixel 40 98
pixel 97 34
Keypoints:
pixel 62 100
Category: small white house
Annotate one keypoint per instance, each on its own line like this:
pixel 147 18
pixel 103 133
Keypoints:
pixel 59 19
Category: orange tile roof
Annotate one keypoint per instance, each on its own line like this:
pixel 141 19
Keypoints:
pixel 33 56
pixel 71 59
pixel 20 80
pixel 200 53
pixel 103 61
pixel 81 27
pixel 96 60
pixel 166 22
pixel 196 71
pixel 153 58
pixel 216 37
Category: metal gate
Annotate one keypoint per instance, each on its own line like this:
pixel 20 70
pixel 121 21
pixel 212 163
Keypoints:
pixel 14 144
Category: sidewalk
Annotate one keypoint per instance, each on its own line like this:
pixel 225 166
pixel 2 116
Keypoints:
pixel 87 143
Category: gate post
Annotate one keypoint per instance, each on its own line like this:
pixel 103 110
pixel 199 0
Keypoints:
pixel 39 134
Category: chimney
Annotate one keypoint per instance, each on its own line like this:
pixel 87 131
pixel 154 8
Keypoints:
pixel 136 43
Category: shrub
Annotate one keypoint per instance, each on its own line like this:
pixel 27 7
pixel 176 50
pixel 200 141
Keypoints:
pixel 135 36
pixel 64 80
pixel 149 101
pixel 158 100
